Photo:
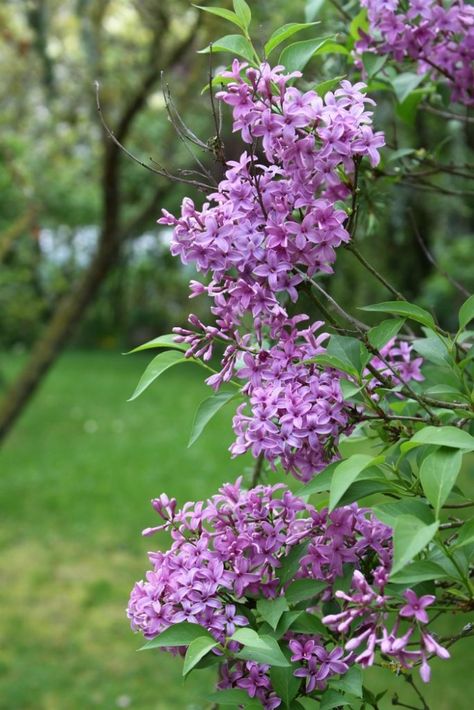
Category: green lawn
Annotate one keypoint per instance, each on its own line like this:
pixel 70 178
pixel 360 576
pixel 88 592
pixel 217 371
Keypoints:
pixel 76 478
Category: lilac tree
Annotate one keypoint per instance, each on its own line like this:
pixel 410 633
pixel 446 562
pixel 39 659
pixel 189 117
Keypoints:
pixel 291 599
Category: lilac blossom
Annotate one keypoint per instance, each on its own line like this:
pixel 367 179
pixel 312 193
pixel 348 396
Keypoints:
pixel 274 219
pixel 229 549
pixel 439 37
pixel 416 606
pixel 269 216
pixel 297 411
pixel 397 364
pixel 364 618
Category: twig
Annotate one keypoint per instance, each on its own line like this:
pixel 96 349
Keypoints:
pixel 350 246
pixel 410 681
pixel 361 327
pixel 450 526
pixel 161 171
pixel 257 470
pixel 219 144
pixel 395 701
pixel 465 632
pixel 433 261
pixel 341 10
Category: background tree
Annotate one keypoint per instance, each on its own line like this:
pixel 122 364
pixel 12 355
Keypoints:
pixel 58 53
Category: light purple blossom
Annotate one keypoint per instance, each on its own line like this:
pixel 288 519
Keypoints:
pixel 416 606
pixel 439 37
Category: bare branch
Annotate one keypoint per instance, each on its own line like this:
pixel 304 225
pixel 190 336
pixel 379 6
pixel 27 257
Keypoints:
pixel 433 261
pixel 163 172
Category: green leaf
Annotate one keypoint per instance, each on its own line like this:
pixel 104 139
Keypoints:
pixel 291 563
pixel 364 489
pixel 446 392
pixel 400 153
pixel 332 361
pixel 285 684
pixel 312 8
pixel 321 482
pixel 328 85
pixel 243 12
pixel 307 623
pixel 296 56
pixel 466 312
pixel 181 634
pixel 406 110
pixel 233 697
pixel 410 536
pixel 247 637
pixel 345 473
pixel 349 350
pixel 303 589
pixel 163 341
pixel 403 84
pixel 420 571
pixel 442 436
pixel 466 534
pixel 373 63
pixel 438 474
pixel 389 512
pixel 349 389
pixel 197 649
pixel 283 33
pixel 271 610
pixel 333 48
pixel 225 14
pixel 263 649
pixel 403 308
pixel 432 348
pixel 360 22
pixel 206 411
pixel 285 622
pixel 350 682
pixel 332 699
pixel 235 44
pixel 157 366
pixel 380 334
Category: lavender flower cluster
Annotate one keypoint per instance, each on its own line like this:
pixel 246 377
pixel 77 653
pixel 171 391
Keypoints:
pixel 230 549
pixel 275 212
pixel 273 220
pixel 396 364
pixel 297 411
pixel 438 36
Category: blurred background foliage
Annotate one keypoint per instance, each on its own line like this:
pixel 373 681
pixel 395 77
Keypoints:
pixel 77 471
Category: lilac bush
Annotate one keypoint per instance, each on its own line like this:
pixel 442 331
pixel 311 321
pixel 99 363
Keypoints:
pixel 289 598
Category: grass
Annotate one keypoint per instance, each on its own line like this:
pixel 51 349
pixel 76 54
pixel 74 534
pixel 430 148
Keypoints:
pixel 76 477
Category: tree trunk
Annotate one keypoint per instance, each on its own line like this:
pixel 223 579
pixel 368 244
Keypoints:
pixel 56 334
pixel 73 305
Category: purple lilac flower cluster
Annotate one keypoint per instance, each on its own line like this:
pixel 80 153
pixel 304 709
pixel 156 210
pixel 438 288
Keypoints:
pixel 438 36
pixel 252 677
pixel 297 411
pixel 230 549
pixel 275 211
pixel 397 364
pixel 364 621
pixel 273 219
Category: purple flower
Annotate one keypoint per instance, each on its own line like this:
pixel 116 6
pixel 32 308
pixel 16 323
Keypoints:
pixel 416 606
pixel 438 38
